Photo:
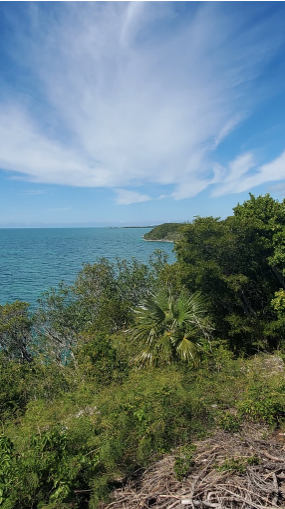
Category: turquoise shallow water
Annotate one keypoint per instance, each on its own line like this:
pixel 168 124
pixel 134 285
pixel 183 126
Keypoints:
pixel 33 260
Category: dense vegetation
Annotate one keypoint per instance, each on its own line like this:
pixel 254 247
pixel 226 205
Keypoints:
pixel 134 360
pixel 167 232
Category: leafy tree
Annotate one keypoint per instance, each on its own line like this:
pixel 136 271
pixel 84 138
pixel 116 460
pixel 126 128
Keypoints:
pixel 170 328
pixel 239 264
pixel 15 331
pixel 99 359
pixel 14 392
pixel 57 323
pixel 109 290
pixel 101 299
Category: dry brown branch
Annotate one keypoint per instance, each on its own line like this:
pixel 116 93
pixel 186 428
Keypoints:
pixel 230 472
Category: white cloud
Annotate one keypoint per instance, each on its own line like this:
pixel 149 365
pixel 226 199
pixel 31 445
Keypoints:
pixel 235 180
pixel 228 127
pixel 126 197
pixel 229 179
pixel 124 100
pixel 189 189
pixel 270 172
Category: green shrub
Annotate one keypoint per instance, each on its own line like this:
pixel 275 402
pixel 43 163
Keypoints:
pixel 238 465
pixel 184 461
pixel 229 422
pixel 260 404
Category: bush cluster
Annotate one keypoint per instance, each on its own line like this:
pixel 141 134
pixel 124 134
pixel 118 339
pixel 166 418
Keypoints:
pixel 135 360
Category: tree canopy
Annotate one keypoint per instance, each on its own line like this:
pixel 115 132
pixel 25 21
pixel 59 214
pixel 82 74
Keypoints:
pixel 238 263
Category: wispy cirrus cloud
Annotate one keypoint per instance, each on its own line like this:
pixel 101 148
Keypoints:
pixel 126 94
pixel 126 197
pixel 238 177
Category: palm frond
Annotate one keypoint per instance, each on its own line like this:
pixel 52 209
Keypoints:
pixel 197 303
pixel 186 307
pixel 151 309
pixel 188 350
pixel 169 327
pixel 143 358
pixel 161 298
pixel 143 332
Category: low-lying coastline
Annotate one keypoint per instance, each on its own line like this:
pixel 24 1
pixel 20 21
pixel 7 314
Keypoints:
pixel 157 240
pixel 166 232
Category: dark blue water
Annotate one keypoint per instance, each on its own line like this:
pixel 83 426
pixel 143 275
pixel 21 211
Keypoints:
pixel 33 260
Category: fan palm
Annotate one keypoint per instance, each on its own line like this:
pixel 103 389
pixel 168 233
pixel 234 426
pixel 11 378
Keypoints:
pixel 170 328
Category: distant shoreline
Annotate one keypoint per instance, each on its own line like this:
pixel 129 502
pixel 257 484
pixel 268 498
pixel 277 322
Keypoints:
pixel 120 227
pixel 166 232
pixel 157 240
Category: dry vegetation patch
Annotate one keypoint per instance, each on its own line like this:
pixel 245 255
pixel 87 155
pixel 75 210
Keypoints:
pixel 242 470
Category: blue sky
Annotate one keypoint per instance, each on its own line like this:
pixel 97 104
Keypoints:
pixel 139 112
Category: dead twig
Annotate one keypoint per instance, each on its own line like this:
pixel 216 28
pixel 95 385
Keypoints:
pixel 222 477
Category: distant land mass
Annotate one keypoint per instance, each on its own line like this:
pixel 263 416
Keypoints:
pixel 166 232
pixel 147 226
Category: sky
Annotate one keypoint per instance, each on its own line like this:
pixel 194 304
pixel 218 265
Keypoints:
pixel 135 113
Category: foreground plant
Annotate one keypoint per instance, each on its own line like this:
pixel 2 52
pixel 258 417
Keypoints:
pixel 171 328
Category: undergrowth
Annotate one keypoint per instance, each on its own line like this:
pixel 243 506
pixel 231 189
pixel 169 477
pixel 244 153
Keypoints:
pixel 89 436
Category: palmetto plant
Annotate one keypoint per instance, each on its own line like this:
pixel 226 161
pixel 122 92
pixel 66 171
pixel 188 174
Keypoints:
pixel 170 328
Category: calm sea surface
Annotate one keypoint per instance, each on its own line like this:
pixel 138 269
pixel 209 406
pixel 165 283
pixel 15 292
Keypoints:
pixel 33 260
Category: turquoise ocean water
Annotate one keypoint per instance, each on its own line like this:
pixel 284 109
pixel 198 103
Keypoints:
pixel 34 259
